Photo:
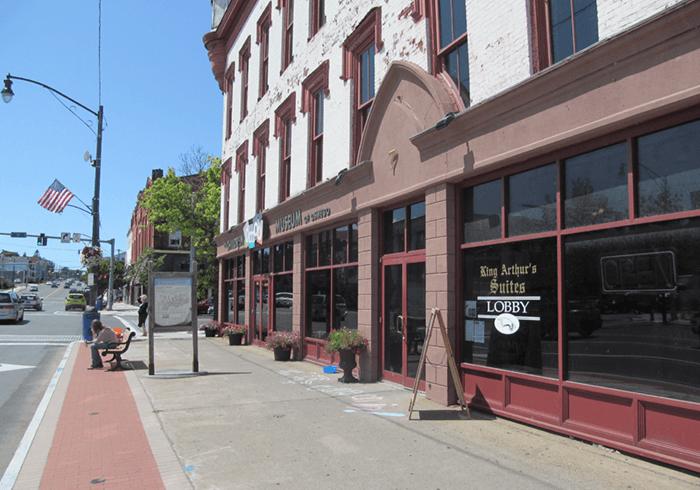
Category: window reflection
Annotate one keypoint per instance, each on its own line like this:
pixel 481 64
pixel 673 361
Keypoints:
pixel 596 187
pixel 482 212
pixel 669 174
pixel 532 204
pixel 645 284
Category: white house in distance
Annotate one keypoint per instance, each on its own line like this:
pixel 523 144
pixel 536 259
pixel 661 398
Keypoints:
pixel 527 170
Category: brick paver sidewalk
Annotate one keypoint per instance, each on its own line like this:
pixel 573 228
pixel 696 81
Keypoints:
pixel 100 441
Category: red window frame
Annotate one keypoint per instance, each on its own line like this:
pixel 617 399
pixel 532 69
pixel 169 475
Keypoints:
pixel 318 15
pixel 314 90
pixel 226 182
pixel 440 54
pixel 541 33
pixel 243 63
pixel 285 117
pixel 241 162
pixel 229 78
pixel 288 30
pixel 261 140
pixel 263 40
pixel 368 33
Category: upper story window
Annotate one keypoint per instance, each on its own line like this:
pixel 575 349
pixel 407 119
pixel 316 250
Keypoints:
pixel 243 59
pixel 284 119
pixel 228 88
pixel 261 139
pixel 358 63
pixel 263 41
pixel 452 55
pixel 241 162
pixel 226 182
pixel 287 41
pixel 314 92
pixel 318 15
pixel 562 28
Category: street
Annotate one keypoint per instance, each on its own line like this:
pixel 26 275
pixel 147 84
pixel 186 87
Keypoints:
pixel 30 352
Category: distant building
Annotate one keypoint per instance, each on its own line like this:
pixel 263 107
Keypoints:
pixel 26 269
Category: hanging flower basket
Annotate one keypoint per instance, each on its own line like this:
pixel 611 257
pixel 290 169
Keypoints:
pixel 91 256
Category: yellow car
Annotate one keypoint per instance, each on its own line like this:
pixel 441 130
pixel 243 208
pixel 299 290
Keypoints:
pixel 75 300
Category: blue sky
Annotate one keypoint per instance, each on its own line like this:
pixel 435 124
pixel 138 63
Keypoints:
pixel 159 95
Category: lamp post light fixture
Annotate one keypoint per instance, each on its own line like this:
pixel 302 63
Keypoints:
pixel 7 95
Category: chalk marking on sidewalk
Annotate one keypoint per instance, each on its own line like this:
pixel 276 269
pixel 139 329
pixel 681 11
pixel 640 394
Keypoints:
pixel 12 471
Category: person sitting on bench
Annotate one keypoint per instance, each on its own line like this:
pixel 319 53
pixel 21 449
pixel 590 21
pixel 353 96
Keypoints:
pixel 104 336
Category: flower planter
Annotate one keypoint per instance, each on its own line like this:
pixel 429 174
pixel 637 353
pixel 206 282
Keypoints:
pixel 347 364
pixel 282 353
pixel 209 332
pixel 235 339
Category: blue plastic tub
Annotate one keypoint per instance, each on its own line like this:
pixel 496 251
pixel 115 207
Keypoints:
pixel 330 369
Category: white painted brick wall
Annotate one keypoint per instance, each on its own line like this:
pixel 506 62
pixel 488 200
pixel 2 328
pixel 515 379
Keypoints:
pixel 499 57
pixel 614 16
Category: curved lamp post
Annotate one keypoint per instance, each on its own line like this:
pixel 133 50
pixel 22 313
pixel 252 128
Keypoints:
pixel 7 95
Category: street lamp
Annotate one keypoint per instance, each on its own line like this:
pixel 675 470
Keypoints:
pixel 7 95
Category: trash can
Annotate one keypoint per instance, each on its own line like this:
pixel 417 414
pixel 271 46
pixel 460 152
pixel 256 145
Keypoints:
pixel 98 304
pixel 89 315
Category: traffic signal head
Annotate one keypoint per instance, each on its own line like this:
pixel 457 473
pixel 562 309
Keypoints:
pixel 41 240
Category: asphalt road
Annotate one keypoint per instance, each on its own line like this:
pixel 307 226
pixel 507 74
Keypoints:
pixel 30 352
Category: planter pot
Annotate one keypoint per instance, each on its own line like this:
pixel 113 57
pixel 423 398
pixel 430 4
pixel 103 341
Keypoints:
pixel 209 333
pixel 282 353
pixel 235 339
pixel 347 364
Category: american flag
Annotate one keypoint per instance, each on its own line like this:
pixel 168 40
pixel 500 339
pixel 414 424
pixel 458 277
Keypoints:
pixel 56 197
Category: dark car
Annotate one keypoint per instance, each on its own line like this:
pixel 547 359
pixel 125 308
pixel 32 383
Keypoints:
pixel 203 306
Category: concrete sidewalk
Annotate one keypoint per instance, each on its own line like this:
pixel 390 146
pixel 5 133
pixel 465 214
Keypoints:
pixel 248 422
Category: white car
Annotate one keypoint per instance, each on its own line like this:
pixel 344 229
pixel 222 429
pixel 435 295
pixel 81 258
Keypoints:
pixel 32 301
pixel 34 287
pixel 11 307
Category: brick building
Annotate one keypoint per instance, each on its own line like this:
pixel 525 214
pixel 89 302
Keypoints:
pixel 530 169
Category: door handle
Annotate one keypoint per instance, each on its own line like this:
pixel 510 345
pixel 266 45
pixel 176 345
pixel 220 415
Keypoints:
pixel 399 324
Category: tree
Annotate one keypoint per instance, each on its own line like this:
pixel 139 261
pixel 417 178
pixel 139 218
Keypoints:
pixel 118 276
pixel 190 205
pixel 194 161
pixel 138 271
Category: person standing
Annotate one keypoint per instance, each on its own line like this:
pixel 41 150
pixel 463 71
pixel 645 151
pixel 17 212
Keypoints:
pixel 143 313
pixel 103 337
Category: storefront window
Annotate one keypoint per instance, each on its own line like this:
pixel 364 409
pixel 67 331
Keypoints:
pixel 416 228
pixel 669 174
pixel 283 302
pixel 482 212
pixel 633 308
pixel 596 187
pixel 510 307
pixel 394 225
pixel 234 287
pixel 532 201
pixel 404 229
pixel 331 290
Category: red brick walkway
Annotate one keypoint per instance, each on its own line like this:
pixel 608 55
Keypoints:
pixel 99 435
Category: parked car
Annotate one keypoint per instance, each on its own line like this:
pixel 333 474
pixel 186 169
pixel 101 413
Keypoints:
pixel 75 300
pixel 285 300
pixel 11 307
pixel 34 287
pixel 32 301
pixel 203 306
pixel 54 284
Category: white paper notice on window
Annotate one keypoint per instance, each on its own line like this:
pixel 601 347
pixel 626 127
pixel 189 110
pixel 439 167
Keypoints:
pixel 172 301
pixel 479 331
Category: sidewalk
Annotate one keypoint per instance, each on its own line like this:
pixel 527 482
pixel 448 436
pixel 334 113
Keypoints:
pixel 248 422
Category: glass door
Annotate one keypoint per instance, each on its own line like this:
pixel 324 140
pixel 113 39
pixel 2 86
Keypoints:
pixel 261 312
pixel 403 318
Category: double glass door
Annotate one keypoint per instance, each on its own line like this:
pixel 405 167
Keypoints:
pixel 404 319
pixel 261 310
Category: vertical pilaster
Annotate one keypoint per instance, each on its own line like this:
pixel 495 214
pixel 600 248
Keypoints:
pixel 440 283
pixel 368 297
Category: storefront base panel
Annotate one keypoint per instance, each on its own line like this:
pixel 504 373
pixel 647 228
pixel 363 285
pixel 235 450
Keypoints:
pixel 636 425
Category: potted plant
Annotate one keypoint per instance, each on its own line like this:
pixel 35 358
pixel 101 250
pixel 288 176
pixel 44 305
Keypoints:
pixel 210 328
pixel 234 333
pixel 347 343
pixel 282 343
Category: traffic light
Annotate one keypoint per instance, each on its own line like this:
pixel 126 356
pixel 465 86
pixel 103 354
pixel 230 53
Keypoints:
pixel 41 240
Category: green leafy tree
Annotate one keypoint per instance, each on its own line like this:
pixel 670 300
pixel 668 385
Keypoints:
pixel 190 205
pixel 118 276
pixel 138 271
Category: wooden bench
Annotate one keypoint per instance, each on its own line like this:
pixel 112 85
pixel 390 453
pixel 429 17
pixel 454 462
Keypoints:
pixel 118 349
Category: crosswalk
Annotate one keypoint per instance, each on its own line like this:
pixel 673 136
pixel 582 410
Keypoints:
pixel 40 338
